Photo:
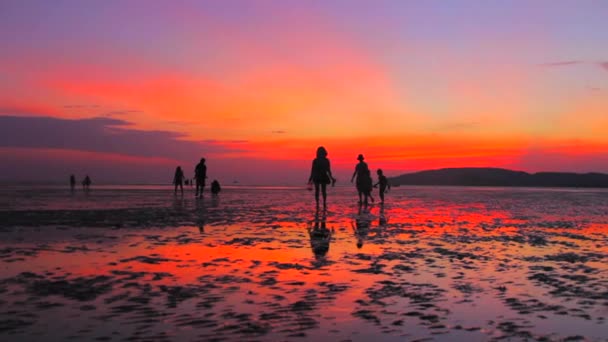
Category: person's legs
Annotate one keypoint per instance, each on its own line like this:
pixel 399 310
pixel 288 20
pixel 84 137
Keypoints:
pixel 181 186
pixel 317 193
pixel 381 193
pixel 200 185
pixel 324 190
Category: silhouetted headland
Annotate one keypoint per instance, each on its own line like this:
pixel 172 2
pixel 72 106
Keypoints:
pixel 472 176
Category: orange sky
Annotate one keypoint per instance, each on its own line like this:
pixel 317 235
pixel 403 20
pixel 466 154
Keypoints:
pixel 410 86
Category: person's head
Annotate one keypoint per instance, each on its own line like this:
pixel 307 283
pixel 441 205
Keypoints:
pixel 179 168
pixel 202 160
pixel 321 152
pixel 379 172
pixel 360 157
pixel 359 243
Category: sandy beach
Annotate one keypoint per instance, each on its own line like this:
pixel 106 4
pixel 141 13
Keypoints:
pixel 262 264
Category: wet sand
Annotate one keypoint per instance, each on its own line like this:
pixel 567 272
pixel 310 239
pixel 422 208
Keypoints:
pixel 436 264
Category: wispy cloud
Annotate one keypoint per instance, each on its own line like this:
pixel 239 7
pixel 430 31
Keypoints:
pixel 602 64
pixel 562 63
pixel 279 132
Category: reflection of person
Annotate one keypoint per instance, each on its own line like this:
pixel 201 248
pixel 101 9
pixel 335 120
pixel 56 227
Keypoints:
pixel 361 227
pixel 383 183
pixel 86 183
pixel 382 220
pixel 320 175
pixel 364 180
pixel 320 236
pixel 200 173
pixel 201 216
pixel 178 179
pixel 72 182
pixel 215 187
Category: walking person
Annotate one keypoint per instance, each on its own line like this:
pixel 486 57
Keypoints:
pixel 364 181
pixel 178 179
pixel 383 183
pixel 200 174
pixel 86 183
pixel 72 182
pixel 320 175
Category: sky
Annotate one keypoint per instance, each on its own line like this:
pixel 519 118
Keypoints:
pixel 127 90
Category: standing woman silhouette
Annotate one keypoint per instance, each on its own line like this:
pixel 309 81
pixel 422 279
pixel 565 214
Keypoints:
pixel 320 175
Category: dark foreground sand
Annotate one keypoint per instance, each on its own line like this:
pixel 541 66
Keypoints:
pixel 442 264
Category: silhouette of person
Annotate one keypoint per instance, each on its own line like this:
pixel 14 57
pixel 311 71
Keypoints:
pixel 320 235
pixel 86 183
pixel 178 179
pixel 320 175
pixel 361 227
pixel 200 174
pixel 215 187
pixel 364 180
pixel 384 185
pixel 72 182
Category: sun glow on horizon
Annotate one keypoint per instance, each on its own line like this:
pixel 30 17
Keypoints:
pixel 412 86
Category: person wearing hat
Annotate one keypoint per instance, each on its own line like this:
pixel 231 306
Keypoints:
pixel 364 180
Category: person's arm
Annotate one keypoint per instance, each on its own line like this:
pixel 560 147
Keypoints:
pixel 333 180
pixel 312 171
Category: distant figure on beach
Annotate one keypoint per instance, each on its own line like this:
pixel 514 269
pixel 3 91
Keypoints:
pixel 200 174
pixel 187 182
pixel 86 183
pixel 320 175
pixel 383 183
pixel 364 180
pixel 178 179
pixel 72 182
pixel 320 236
pixel 215 187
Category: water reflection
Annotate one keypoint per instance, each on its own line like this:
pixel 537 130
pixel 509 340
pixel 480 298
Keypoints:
pixel 362 224
pixel 320 235
pixel 201 215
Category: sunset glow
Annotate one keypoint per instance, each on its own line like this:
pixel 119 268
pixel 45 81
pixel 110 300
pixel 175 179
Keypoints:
pixel 256 86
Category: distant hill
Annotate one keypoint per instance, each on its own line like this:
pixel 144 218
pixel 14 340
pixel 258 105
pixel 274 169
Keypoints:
pixel 471 176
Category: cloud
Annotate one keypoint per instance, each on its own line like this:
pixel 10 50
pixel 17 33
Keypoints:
pixel 106 135
pixel 561 63
pixel 279 132
pixel 603 65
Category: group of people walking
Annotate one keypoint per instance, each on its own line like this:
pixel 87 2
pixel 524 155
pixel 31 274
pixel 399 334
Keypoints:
pixel 200 175
pixel 86 183
pixel 321 176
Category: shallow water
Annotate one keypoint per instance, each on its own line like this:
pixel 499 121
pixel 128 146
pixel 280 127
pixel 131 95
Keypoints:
pixel 437 263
